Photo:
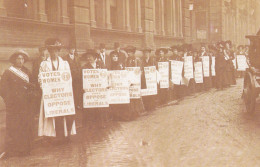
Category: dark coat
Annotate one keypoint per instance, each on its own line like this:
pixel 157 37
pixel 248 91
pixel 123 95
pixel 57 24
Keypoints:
pixel 17 95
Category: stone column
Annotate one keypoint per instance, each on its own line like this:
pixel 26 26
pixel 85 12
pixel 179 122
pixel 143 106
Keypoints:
pixel 127 16
pixel 138 16
pixel 174 17
pixel 161 2
pixel 92 13
pixel 107 15
pixel 2 8
pixel 64 12
pixel 180 27
pixel 154 17
pixel 41 11
pixel 168 19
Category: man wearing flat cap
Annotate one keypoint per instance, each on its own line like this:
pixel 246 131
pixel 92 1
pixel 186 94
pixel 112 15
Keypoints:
pixel 62 126
pixel 17 91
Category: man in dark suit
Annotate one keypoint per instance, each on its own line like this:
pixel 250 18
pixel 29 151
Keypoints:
pixel 103 57
pixel 72 59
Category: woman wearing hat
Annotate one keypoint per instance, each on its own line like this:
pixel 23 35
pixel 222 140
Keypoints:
pixel 17 91
pixel 119 112
pixel 163 93
pixel 136 106
pixel 229 54
pixel 146 61
pixel 62 126
pixel 93 117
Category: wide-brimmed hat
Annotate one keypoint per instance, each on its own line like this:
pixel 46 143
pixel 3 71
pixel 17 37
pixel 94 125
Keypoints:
pixel 165 51
pixel 89 52
pixel 17 53
pixel 53 43
pixel 130 49
pixel 229 42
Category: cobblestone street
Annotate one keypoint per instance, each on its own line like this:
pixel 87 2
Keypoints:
pixel 206 129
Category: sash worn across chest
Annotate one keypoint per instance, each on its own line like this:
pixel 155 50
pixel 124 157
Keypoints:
pixel 19 74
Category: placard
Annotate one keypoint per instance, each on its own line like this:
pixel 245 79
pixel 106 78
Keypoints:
pixel 163 69
pixel 188 67
pixel 213 66
pixel 95 82
pixel 205 64
pixel 57 93
pixel 241 63
pixel 119 90
pixel 176 71
pixel 198 72
pixel 134 74
pixel 151 81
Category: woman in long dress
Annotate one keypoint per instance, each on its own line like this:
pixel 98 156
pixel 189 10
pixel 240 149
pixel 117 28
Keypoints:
pixel 61 126
pixel 17 91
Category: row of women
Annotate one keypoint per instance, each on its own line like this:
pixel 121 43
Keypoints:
pixel 22 93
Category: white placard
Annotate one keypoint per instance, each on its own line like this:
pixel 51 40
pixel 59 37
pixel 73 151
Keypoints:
pixel 241 63
pixel 188 67
pixel 163 68
pixel 134 74
pixel 198 72
pixel 176 71
pixel 57 93
pixel 213 66
pixel 205 64
pixel 119 91
pixel 95 82
pixel 151 81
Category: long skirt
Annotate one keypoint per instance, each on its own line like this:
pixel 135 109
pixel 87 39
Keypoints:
pixel 191 87
pixel 18 137
pixel 120 112
pixel 207 83
pixel 163 96
pixel 94 117
pixel 136 108
pixel 149 102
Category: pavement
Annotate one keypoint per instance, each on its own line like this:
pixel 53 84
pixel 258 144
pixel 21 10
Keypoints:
pixel 206 129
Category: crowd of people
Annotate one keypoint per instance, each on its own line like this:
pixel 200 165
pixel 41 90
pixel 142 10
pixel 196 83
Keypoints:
pixel 22 89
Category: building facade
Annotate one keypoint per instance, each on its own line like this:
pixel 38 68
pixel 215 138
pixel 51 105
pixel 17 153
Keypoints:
pixel 215 20
pixel 154 23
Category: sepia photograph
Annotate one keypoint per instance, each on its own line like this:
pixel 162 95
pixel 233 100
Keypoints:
pixel 129 83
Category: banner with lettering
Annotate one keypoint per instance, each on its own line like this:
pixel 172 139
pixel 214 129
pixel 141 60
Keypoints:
pixel 119 87
pixel 205 64
pixel 241 63
pixel 163 69
pixel 95 83
pixel 134 74
pixel 213 66
pixel 151 81
pixel 176 71
pixel 57 93
pixel 198 72
pixel 188 67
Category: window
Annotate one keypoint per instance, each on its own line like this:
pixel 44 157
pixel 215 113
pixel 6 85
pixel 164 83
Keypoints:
pixel 21 8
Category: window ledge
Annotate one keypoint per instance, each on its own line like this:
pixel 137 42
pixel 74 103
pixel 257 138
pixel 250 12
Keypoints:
pixel 31 21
